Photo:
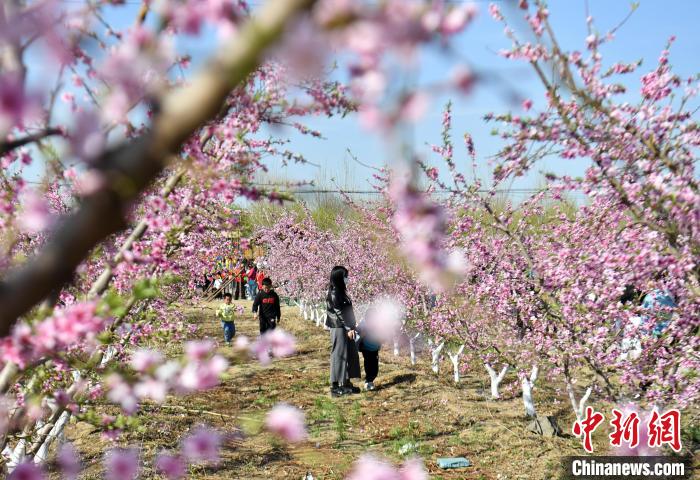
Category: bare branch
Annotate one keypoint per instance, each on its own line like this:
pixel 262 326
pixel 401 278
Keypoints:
pixel 8 146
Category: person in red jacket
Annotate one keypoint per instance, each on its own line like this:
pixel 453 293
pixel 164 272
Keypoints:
pixel 259 278
pixel 252 280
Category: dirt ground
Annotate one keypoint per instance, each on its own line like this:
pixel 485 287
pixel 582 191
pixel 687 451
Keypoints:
pixel 412 412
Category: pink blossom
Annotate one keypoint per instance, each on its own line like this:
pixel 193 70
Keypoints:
pixel 151 388
pixel 145 359
pixel 287 421
pixel 116 107
pixel 372 118
pixel 36 215
pixel 122 464
pixel 170 466
pixel 302 37
pixel 121 393
pixel 369 85
pixel 15 105
pixel 87 138
pixel 199 349
pixel 69 462
pixel 369 467
pixel 241 342
pixel 277 343
pixel 495 12
pixel 414 107
pixel 168 371
pixel 642 449
pixel 591 40
pixel 527 104
pixel 202 445
pixel 463 79
pixel 27 471
pixel 457 18
pixel 203 375
pixel 413 469
pixel 384 319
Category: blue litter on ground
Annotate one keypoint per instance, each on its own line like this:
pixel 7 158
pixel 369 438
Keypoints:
pixel 456 462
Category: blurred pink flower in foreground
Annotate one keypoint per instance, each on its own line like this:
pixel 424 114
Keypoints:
pixel 122 464
pixel 199 349
pixel 145 359
pixel 384 319
pixel 27 471
pixel 369 467
pixel 276 343
pixel 69 462
pixel 202 445
pixel 287 422
pixel 170 466
pixel 37 215
pixel 15 105
pixel 642 449
pixel 241 343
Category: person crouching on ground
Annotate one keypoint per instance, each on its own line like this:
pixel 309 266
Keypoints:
pixel 340 318
pixel 267 306
pixel 225 313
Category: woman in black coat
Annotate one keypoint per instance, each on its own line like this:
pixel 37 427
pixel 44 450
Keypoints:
pixel 340 318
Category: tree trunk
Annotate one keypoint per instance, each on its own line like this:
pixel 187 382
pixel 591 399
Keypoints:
pixel 435 354
pixel 454 358
pixel 528 384
pixel 496 379
pixel 412 347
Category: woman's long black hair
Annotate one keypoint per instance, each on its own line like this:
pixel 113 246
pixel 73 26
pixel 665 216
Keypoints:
pixel 337 280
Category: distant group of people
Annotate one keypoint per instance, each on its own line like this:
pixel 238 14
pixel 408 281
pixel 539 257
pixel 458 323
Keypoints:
pixel 241 280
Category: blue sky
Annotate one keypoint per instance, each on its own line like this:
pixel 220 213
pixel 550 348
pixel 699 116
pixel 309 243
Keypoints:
pixel 643 36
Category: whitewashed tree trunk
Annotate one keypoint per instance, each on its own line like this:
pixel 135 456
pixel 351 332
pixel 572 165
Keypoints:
pixel 396 346
pixel 528 384
pixel 435 352
pixel 110 352
pixel 305 311
pixel 319 316
pixel 496 379
pixel 579 405
pixel 16 455
pixel 412 347
pixel 454 358
pixel 57 430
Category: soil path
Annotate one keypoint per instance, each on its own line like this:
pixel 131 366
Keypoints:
pixel 412 412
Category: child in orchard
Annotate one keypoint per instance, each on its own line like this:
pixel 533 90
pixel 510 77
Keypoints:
pixel 369 347
pixel 267 306
pixel 225 313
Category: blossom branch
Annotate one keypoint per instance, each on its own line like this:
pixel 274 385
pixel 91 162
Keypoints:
pixel 131 167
